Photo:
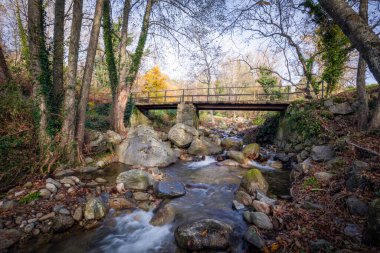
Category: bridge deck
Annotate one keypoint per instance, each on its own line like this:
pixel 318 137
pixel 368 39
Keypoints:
pixel 226 98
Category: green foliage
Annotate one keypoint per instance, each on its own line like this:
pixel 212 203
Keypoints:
pixel 311 182
pixel 109 48
pixel 268 81
pixel 23 37
pixel 333 46
pixel 303 121
pixel 163 118
pixel 97 117
pixel 30 197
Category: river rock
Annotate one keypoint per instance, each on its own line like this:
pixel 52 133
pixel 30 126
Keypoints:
pixel 237 205
pixel 260 206
pixel 8 237
pixel 253 237
pixel 97 141
pixel 94 209
pixel 169 189
pixel 323 177
pixel 356 206
pixel 352 230
pixel 264 198
pixel 62 223
pixel 51 187
pixel 238 156
pixel 120 203
pixel 45 193
pixel 341 109
pixel 164 215
pixel 204 234
pixel 78 214
pixel 275 164
pixel 204 146
pixel 259 219
pixel 113 137
pixel 374 222
pixel 254 180
pixel 182 135
pixel 143 148
pixel 252 151
pixel 243 198
pixel 230 143
pixel 62 173
pixel 67 181
pixel 229 162
pixel 140 196
pixel 54 182
pixel 135 179
pixel 322 153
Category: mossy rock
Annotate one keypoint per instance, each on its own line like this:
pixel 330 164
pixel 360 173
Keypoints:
pixel 252 151
pixel 254 180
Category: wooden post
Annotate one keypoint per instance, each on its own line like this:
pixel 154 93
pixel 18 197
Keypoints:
pixel 288 93
pixel 165 96
pixel 183 95
pixel 148 97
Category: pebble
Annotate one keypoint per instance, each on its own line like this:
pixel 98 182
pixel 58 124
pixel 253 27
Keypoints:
pixel 63 173
pixel 51 187
pixel 19 193
pixel 28 228
pixel 64 211
pixel 47 216
pixel 59 196
pixel 71 190
pixel 28 184
pixel 100 180
pixel 238 205
pixel 54 182
pixel 36 232
pixel 45 193
pixel 141 196
pixel 78 214
pixel 18 220
pixel 39 215
pixel 67 181
pixel 32 220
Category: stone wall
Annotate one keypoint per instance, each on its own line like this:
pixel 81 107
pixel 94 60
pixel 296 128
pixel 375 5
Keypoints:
pixel 187 114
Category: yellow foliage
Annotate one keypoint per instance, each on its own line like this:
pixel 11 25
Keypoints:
pixel 155 80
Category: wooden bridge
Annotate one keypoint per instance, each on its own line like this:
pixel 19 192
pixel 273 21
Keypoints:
pixel 252 98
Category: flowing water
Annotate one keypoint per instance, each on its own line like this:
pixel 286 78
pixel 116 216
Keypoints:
pixel 210 190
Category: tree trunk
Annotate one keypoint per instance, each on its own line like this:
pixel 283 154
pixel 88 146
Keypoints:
pixel 23 37
pixel 69 108
pixel 362 37
pixel 36 39
pixel 87 75
pixel 5 76
pixel 121 97
pixel 58 50
pixel 360 79
pixel 127 78
pixel 108 45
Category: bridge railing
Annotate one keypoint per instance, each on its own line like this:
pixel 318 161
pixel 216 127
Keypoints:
pixel 217 95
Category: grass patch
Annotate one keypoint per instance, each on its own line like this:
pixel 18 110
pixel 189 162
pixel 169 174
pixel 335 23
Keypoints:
pixel 311 182
pixel 30 197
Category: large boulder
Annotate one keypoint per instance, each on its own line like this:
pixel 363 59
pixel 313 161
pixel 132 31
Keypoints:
pixel 204 146
pixel 238 156
pixel 182 135
pixel 342 108
pixel 96 141
pixel 135 179
pixel 230 143
pixel 254 180
pixel 113 137
pixel 95 209
pixel 169 189
pixel 252 151
pixel 204 234
pixel 144 148
pixel 322 153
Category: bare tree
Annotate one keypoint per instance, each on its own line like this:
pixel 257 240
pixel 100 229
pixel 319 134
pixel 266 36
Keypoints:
pixel 87 75
pixel 363 39
pixel 69 107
